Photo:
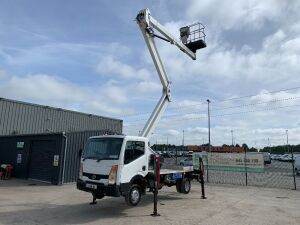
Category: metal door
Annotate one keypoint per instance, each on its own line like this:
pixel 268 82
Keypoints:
pixel 41 160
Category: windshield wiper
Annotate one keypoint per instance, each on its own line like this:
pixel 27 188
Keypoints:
pixel 98 160
pixel 89 158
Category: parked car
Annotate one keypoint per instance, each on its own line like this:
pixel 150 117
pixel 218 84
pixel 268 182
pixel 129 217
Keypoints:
pixel 286 158
pixel 275 157
pixel 186 162
pixel 166 155
pixel 297 165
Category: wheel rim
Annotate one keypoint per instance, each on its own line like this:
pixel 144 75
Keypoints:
pixel 135 196
pixel 187 186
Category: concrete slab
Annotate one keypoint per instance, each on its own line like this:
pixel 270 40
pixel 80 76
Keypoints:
pixel 22 202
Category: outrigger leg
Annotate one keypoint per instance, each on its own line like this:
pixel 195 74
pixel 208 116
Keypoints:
pixel 94 202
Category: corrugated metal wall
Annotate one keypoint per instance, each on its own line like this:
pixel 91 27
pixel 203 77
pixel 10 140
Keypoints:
pixel 9 152
pixel 75 142
pixel 25 118
pixel 68 167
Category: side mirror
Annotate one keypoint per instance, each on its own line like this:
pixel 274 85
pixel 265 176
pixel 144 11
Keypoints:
pixel 80 153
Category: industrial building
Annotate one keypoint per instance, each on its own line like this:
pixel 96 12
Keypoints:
pixel 43 143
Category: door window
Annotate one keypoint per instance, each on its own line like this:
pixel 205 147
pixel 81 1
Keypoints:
pixel 133 150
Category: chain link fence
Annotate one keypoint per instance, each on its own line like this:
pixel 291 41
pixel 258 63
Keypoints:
pixel 242 169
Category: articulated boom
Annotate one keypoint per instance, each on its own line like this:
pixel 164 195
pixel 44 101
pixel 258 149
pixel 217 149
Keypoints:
pixel 148 25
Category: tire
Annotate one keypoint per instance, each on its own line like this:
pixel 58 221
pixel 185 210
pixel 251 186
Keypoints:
pixel 134 196
pixel 185 185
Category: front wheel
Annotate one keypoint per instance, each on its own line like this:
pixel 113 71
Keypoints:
pixel 134 196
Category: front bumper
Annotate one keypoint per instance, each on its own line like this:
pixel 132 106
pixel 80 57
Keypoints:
pixel 107 190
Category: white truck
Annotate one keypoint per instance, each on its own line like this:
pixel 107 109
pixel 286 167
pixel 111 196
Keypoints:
pixel 121 165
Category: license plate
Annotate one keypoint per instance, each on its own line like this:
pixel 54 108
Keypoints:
pixel 93 186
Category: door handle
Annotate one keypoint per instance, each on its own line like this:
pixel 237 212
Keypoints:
pixel 144 168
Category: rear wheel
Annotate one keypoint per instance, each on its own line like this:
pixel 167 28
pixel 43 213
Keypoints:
pixel 185 186
pixel 134 196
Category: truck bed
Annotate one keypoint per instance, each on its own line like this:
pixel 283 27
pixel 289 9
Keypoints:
pixel 181 169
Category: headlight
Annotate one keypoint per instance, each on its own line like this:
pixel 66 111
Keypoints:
pixel 112 178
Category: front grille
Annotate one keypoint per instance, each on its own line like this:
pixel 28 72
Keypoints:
pixel 95 176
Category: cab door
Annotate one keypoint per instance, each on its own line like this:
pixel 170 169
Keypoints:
pixel 134 161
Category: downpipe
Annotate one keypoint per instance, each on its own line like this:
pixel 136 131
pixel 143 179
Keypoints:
pixel 65 153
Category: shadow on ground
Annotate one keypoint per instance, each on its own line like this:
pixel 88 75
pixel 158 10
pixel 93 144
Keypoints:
pixel 13 182
pixel 47 213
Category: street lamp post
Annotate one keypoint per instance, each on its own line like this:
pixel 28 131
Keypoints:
pixel 231 138
pixel 208 114
pixel 167 144
pixel 287 141
pixel 209 148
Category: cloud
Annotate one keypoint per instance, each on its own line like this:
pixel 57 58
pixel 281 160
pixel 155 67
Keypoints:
pixel 40 86
pixel 2 74
pixel 228 14
pixel 276 63
pixel 148 87
pixel 55 91
pixel 115 93
pixel 109 66
pixel 173 133
pixel 58 53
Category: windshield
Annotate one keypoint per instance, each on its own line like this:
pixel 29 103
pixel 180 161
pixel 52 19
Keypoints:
pixel 102 148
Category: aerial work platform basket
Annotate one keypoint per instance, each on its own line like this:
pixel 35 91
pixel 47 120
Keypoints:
pixel 193 36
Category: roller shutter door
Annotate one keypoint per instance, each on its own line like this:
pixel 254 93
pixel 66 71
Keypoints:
pixel 41 160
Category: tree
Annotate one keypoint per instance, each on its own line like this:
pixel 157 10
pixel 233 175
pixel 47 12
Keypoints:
pixel 245 146
pixel 252 149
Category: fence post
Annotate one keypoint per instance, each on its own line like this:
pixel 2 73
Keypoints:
pixel 207 180
pixel 201 174
pixel 246 172
pixel 293 167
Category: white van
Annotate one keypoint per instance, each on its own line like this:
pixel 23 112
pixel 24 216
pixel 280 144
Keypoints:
pixel 267 158
pixel 297 165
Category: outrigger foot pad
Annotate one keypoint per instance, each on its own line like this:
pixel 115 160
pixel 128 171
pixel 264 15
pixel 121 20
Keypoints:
pixel 94 202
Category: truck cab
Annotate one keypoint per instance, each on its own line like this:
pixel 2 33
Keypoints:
pixel 111 165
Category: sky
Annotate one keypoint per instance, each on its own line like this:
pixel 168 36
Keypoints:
pixel 90 56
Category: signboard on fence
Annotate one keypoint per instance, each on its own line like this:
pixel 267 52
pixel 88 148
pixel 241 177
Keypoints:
pixel 196 156
pixel 251 162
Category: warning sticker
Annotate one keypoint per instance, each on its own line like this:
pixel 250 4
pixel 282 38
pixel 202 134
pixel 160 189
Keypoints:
pixel 55 160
